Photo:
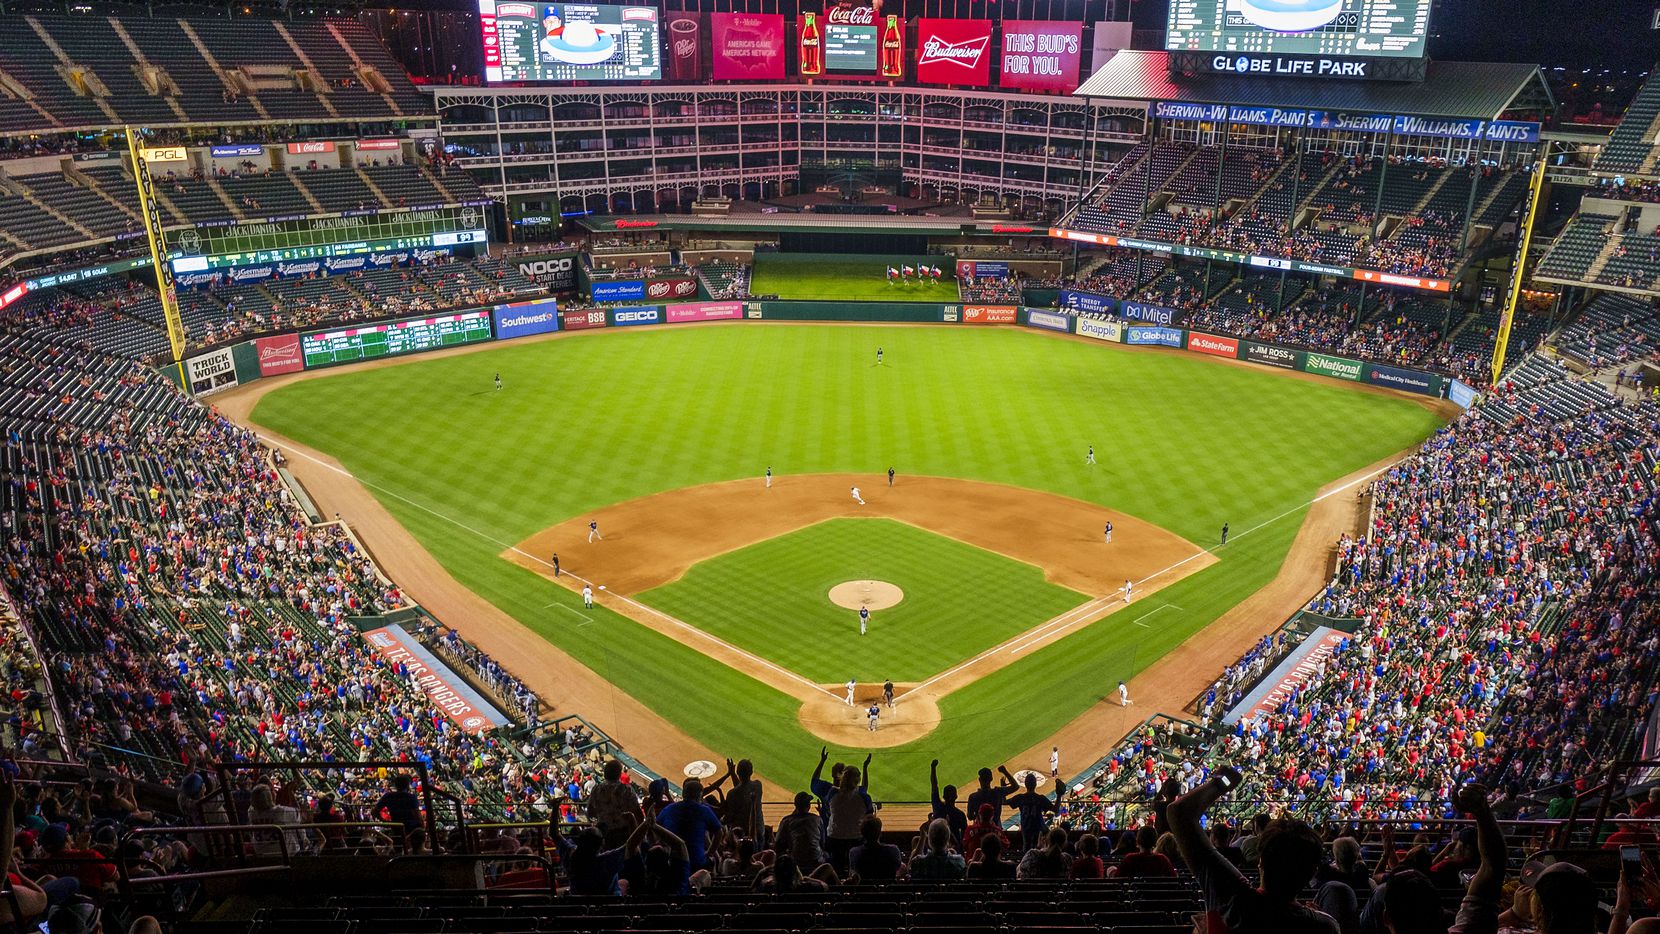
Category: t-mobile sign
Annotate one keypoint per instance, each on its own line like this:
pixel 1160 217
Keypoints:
pixel 1041 55
pixel 953 51
pixel 748 46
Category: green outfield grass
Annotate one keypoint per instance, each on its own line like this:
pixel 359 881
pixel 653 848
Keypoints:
pixel 770 598
pixel 850 278
pixel 592 419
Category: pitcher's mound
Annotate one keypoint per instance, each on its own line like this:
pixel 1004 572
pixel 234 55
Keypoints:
pixel 878 595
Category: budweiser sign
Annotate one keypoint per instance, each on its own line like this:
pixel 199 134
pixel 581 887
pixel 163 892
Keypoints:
pixel 852 16
pixel 954 51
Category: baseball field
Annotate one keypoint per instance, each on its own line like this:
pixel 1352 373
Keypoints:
pixel 1000 610
pixel 852 278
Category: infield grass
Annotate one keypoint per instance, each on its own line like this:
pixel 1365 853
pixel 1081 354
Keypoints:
pixel 586 420
pixel 851 278
pixel 772 599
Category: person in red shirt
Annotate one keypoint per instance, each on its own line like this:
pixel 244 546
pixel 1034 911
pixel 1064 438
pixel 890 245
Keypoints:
pixel 1145 863
pixel 79 863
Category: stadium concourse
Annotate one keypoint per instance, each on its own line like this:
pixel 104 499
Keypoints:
pixel 223 714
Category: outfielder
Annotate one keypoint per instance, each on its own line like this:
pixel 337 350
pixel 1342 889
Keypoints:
pixel 769 477
pixel 864 619
pixel 498 382
pixel 1109 533
pixel 857 498
pixel 851 684
pixel 593 531
pixel 1089 458
pixel 878 356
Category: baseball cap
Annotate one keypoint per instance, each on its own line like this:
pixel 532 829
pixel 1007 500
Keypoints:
pixel 54 836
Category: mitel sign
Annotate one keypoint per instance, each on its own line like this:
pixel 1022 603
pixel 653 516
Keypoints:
pixel 1152 314
pixel 953 51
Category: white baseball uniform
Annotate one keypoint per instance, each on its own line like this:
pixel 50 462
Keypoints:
pixel 587 596
pixel 857 498
pixel 850 685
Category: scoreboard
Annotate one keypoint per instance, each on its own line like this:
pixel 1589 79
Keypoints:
pixel 391 338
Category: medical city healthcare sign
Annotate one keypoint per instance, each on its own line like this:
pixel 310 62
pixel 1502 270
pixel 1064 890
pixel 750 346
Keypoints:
pixel 953 51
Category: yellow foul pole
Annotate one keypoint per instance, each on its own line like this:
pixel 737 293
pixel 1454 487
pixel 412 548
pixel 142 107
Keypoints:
pixel 1524 237
pixel 150 211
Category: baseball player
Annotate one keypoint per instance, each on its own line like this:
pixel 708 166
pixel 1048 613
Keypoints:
pixel 588 596
pixel 498 382
pixel 556 564
pixel 1089 459
pixel 857 498
pixel 890 476
pixel 593 531
pixel 1054 761
pixel 864 619
pixel 1123 695
pixel 1109 533
pixel 851 684
pixel 1128 586
pixel 769 477
pixel 887 693
pixel 1224 533
pixel 873 713
pixel 878 356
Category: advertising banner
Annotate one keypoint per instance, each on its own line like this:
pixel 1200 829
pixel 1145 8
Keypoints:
pixel 447 690
pixel 1041 55
pixel 982 269
pixel 1461 393
pixel 1212 344
pixel 312 148
pixel 377 145
pixel 557 271
pixel 953 51
pixel 677 287
pixel 278 355
pixel 236 152
pixel 251 273
pixel 1100 330
pixel 1411 282
pixel 582 320
pixel 950 313
pixel 1295 670
pixel 210 372
pixel 1162 337
pixel 1271 355
pixel 1410 380
pixel 164 154
pixel 704 311
pixel 1088 302
pixel 618 290
pixel 990 314
pixel 1048 319
pixel 748 46
pixel 643 314
pixel 685 61
pixel 1152 314
pixel 1333 366
pixel 522 319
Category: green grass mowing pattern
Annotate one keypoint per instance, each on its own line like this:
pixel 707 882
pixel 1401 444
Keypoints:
pixel 772 599
pixel 593 419
pixel 851 278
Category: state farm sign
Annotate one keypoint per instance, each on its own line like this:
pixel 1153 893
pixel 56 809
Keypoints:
pixel 953 51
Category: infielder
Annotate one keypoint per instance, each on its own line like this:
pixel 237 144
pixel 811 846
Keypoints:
pixel 864 619
pixel 1089 458
pixel 851 684
pixel 1123 695
pixel 593 531
pixel 1109 533
pixel 857 498
pixel 556 564
pixel 890 476
pixel 769 477
pixel 1128 586
pixel 588 596
pixel 873 713
pixel 887 693
pixel 1054 761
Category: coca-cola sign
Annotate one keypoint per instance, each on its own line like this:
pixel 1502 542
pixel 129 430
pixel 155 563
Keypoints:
pixel 851 16
pixel 954 51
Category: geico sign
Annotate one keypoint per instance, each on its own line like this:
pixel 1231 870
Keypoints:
pixel 625 317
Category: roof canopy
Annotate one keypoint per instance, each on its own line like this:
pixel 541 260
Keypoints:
pixel 1463 90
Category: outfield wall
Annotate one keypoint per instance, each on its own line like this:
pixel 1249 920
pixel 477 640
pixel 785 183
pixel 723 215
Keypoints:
pixel 1153 326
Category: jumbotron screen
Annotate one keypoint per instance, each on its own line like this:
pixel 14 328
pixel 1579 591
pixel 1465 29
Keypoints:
pixel 569 41
pixel 1365 28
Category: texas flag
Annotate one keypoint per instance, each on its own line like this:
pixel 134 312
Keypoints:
pixel 893 273
pixel 909 271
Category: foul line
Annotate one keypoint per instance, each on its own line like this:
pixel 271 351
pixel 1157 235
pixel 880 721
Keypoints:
pixel 742 653
pixel 1084 613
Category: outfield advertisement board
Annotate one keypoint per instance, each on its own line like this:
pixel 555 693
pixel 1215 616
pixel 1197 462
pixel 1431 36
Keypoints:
pixel 635 315
pixel 1333 366
pixel 1213 345
pixel 618 290
pixel 1461 393
pixel 1152 314
pixel 210 372
pixel 557 271
pixel 1088 302
pixel 1100 330
pixel 522 319
pixel 704 311
pixel 279 355
pixel 1410 380
pixel 1048 319
pixel 982 269
pixel 582 320
pixel 1162 337
pixel 1271 355
pixel 990 314
pixel 659 290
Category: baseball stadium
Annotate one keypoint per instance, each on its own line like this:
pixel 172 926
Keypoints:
pixel 486 466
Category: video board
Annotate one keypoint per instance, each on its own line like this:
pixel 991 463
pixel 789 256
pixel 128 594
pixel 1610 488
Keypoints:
pixel 850 40
pixel 569 42
pixel 1361 28
pixel 392 338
